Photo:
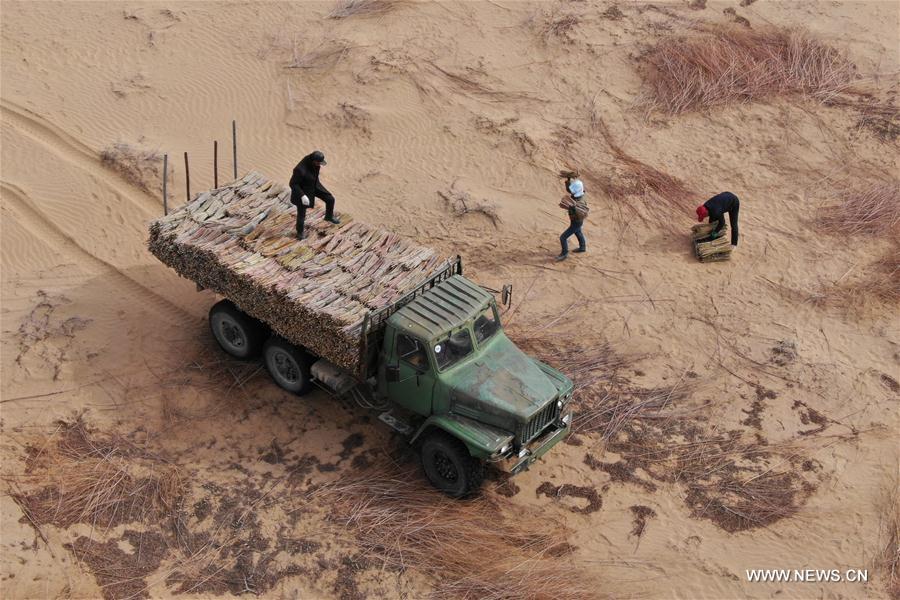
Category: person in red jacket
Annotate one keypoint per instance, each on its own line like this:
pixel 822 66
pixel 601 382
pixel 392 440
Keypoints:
pixel 305 188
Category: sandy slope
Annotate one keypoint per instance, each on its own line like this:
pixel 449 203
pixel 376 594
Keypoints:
pixel 474 97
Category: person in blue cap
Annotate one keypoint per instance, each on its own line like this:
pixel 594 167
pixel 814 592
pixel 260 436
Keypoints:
pixel 576 205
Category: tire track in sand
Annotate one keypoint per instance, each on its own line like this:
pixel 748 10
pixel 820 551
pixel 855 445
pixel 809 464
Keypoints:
pixel 44 228
pixel 75 152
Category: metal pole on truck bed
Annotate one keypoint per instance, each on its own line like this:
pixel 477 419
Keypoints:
pixel 215 163
pixel 234 145
pixel 165 184
pixel 187 177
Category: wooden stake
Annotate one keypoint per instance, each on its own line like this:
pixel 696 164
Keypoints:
pixel 215 163
pixel 165 184
pixel 234 145
pixel 187 177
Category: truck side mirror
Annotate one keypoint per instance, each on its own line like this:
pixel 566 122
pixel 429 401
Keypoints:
pixel 392 373
pixel 506 295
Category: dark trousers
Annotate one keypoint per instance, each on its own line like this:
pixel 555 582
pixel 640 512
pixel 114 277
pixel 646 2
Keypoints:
pixel 574 229
pixel 733 219
pixel 301 214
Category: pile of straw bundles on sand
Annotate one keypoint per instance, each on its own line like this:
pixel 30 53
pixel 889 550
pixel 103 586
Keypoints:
pixel 239 241
pixel 710 250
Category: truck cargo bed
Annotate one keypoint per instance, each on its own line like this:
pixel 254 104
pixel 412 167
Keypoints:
pixel 239 241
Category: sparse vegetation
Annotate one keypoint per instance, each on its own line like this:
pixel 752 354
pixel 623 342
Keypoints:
pixel 732 479
pixel 733 65
pixel 141 168
pixel 470 549
pixel 77 476
pixel 461 203
pixel 868 209
pixel 368 8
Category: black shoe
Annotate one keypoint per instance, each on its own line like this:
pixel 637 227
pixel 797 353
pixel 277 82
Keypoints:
pixel 580 250
pixel 333 219
pixel 562 257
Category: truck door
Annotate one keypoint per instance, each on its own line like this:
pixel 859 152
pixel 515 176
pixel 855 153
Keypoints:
pixel 410 378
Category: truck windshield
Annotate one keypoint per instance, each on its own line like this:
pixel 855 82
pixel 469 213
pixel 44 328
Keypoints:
pixel 452 349
pixel 486 324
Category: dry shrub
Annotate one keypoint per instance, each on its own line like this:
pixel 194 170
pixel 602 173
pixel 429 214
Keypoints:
pixel 80 476
pixel 366 8
pixel 461 203
pixel 322 56
pixel 868 209
pixel 141 168
pixel 559 27
pixel 470 548
pixel 880 285
pixel 731 65
pixel 889 558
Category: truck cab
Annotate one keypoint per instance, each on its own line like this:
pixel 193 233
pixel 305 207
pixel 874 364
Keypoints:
pixel 475 397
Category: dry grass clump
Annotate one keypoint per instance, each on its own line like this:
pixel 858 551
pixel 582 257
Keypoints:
pixel 80 476
pixel 469 547
pixel 732 65
pixel 869 209
pixel 461 203
pixel 141 168
pixel 367 8
pixel 881 284
pixel 322 56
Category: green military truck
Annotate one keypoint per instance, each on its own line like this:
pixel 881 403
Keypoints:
pixel 435 362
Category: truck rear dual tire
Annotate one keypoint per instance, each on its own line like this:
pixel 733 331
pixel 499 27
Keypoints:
pixel 449 466
pixel 238 334
pixel 288 365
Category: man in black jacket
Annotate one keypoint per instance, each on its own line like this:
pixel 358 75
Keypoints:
pixel 305 187
pixel 715 208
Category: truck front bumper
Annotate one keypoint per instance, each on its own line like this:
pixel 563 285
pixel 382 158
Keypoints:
pixel 537 448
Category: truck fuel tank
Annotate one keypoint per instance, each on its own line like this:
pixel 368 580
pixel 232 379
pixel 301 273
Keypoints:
pixel 332 377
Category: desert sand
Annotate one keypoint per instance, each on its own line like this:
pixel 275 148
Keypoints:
pixel 413 105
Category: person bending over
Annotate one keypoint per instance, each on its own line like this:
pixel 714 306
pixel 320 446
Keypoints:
pixel 715 208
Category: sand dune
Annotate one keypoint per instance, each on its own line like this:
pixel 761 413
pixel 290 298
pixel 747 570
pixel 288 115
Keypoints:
pixel 422 102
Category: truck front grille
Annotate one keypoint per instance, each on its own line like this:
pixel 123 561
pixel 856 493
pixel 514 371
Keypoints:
pixel 538 423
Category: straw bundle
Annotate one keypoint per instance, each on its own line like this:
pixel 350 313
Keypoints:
pixel 710 250
pixel 239 241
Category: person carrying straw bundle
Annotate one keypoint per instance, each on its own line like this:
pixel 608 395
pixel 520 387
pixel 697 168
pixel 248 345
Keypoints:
pixel 576 206
pixel 715 208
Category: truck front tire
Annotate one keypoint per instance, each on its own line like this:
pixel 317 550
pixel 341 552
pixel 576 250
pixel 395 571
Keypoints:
pixel 238 334
pixel 288 365
pixel 449 466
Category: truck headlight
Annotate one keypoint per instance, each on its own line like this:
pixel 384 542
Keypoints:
pixel 504 449
pixel 567 419
pixel 559 404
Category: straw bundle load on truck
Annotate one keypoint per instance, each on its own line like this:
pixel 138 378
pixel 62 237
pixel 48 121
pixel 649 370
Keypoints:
pixel 239 241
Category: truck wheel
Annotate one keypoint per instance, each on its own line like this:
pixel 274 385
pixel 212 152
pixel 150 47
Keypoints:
pixel 449 466
pixel 238 334
pixel 288 365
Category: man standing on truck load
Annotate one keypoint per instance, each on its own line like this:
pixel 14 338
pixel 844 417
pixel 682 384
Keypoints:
pixel 715 208
pixel 576 205
pixel 305 187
